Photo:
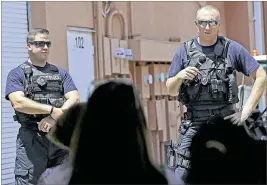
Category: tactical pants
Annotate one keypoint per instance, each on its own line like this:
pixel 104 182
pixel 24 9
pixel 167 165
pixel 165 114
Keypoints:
pixel 183 154
pixel 187 131
pixel 34 154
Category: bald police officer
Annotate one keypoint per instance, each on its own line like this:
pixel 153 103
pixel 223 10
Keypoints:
pixel 203 75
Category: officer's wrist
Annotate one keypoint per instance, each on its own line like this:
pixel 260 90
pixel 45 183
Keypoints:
pixel 51 112
pixel 246 110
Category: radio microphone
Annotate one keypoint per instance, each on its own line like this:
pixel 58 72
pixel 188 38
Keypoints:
pixel 201 61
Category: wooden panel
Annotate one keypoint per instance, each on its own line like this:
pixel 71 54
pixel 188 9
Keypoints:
pixel 152 115
pixel 124 63
pixel 107 56
pixel 156 146
pixel 153 50
pixel 145 109
pixel 142 84
pixel 155 87
pixel 164 133
pixel 115 62
pixel 164 69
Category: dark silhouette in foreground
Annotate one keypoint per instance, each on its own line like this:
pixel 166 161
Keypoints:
pixel 112 146
pixel 223 153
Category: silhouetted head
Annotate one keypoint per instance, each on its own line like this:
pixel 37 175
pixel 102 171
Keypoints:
pixel 63 131
pixel 112 140
pixel 223 153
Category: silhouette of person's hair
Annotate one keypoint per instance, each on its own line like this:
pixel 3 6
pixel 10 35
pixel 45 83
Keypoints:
pixel 223 153
pixel 65 135
pixel 61 134
pixel 112 147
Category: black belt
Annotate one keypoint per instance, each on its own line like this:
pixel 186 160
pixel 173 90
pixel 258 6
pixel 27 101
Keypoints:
pixel 31 118
pixel 198 114
pixel 33 127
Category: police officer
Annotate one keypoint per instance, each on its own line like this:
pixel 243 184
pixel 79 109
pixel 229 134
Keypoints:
pixel 39 92
pixel 203 75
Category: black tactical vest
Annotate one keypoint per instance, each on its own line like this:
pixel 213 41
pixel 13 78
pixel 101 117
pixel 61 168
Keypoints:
pixel 215 86
pixel 43 87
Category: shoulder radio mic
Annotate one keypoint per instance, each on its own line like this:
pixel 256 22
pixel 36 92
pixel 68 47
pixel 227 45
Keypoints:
pixel 201 61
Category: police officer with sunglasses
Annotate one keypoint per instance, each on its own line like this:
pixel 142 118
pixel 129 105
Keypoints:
pixel 203 76
pixel 39 92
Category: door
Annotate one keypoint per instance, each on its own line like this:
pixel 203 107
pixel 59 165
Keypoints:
pixel 81 59
pixel 14 52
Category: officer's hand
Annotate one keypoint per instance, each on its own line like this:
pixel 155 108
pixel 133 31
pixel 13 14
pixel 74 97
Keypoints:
pixel 237 118
pixel 57 112
pixel 46 124
pixel 188 73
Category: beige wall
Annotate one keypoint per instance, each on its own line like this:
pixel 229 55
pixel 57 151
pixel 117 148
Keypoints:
pixel 237 19
pixel 38 14
pixel 161 20
pixel 149 20
pixel 236 16
pixel 56 16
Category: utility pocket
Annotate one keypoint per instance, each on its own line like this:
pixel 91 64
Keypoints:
pixel 193 91
pixel 21 172
pixel 21 176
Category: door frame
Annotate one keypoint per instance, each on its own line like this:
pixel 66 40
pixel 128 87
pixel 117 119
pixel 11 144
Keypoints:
pixel 94 44
pixel 88 31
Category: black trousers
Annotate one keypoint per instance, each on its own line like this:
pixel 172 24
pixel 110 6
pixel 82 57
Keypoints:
pixel 34 154
pixel 187 131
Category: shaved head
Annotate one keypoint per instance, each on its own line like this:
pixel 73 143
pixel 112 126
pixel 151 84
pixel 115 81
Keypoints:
pixel 207 24
pixel 208 9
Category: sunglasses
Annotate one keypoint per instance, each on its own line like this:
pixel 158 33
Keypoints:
pixel 211 23
pixel 41 44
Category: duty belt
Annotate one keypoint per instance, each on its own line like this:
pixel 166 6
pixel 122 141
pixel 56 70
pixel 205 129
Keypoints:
pixel 32 118
pixel 31 126
pixel 198 114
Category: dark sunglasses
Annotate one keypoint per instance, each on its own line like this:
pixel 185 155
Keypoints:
pixel 41 44
pixel 211 23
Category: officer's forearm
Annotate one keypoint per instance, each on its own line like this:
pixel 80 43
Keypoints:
pixel 173 85
pixel 29 106
pixel 255 95
pixel 70 102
